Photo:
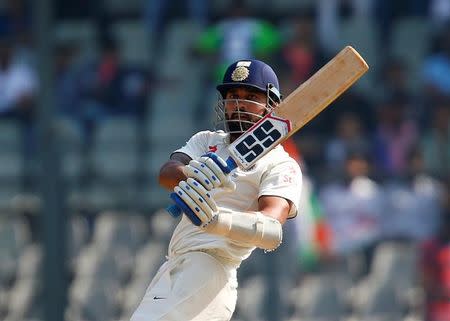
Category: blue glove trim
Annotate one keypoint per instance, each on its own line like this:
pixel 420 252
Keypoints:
pixel 174 210
pixel 186 209
pixel 231 164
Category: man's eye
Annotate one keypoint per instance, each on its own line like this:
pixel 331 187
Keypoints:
pixel 256 98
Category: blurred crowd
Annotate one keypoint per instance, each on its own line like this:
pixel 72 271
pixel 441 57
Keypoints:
pixel 376 164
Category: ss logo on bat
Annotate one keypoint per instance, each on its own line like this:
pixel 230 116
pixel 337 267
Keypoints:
pixel 263 137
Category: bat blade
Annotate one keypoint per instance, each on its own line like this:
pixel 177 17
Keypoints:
pixel 300 107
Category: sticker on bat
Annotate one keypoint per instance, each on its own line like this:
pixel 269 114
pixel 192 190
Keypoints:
pixel 262 137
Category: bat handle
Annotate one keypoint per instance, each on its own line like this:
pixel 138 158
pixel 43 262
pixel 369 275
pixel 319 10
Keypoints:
pixel 180 207
pixel 175 209
pixel 231 164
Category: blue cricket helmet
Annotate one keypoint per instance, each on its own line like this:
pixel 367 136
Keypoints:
pixel 251 73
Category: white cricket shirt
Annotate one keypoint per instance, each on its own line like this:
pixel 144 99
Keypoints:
pixel 276 174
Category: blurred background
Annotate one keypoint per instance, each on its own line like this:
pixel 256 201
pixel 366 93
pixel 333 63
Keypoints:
pixel 94 95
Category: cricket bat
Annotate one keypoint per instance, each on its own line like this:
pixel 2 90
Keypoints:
pixel 295 111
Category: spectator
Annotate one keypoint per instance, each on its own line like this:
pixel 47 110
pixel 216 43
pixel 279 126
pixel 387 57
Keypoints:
pixel 393 78
pixel 436 141
pixel 18 89
pixel 316 135
pixel 15 18
pixel 349 136
pixel 436 68
pixel 90 91
pixel 395 135
pixel 78 9
pixel 301 54
pixel 156 13
pixel 67 84
pixel 355 207
pixel 330 14
pixel 109 88
pixel 413 203
pixel 439 12
pixel 387 12
pixel 238 36
pixel 435 264
pixel 18 82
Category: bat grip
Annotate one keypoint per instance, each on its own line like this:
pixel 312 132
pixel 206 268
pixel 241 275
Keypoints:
pixel 231 164
pixel 175 209
pixel 180 207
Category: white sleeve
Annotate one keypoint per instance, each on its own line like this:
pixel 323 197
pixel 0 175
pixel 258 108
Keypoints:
pixel 283 180
pixel 22 82
pixel 196 146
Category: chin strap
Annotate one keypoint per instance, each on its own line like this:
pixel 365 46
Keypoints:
pixel 252 228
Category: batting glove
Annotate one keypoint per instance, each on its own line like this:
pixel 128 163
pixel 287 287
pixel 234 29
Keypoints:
pixel 196 201
pixel 211 171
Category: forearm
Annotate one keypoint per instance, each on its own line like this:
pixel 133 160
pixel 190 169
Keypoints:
pixel 252 228
pixel 171 174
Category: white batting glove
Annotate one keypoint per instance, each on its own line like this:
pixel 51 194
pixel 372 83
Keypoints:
pixel 211 171
pixel 198 200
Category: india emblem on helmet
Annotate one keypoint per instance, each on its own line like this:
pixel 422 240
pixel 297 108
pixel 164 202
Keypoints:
pixel 240 73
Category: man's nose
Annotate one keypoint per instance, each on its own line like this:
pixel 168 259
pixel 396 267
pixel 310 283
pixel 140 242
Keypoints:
pixel 240 106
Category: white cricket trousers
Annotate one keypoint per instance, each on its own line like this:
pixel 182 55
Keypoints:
pixel 192 286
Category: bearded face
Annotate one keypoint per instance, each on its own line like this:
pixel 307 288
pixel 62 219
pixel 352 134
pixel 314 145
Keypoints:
pixel 241 108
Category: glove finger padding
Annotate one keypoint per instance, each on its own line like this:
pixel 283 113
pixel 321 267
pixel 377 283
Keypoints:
pixel 205 195
pixel 202 174
pixel 224 178
pixel 211 171
pixel 197 198
pixel 213 166
pixel 193 206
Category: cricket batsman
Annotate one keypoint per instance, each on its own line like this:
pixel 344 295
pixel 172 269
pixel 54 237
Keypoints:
pixel 248 207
